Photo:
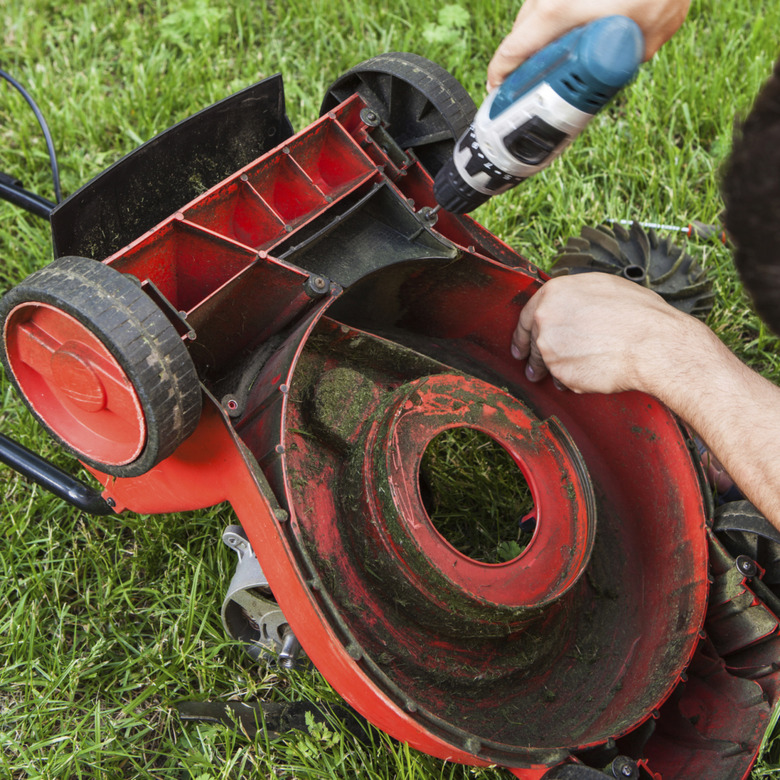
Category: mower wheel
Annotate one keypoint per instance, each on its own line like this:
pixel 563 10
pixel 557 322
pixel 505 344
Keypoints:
pixel 424 108
pixel 99 365
pixel 642 257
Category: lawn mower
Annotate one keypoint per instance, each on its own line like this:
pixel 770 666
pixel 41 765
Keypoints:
pixel 240 313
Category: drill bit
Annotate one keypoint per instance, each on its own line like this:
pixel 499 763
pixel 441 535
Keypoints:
pixel 694 229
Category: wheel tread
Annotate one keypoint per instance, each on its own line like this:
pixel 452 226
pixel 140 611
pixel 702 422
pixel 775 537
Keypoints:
pixel 376 79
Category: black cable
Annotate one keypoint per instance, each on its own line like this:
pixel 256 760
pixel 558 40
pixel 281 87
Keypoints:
pixel 12 191
pixel 55 171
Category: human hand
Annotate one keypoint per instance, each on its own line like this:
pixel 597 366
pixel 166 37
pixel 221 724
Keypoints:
pixel 599 333
pixel 540 22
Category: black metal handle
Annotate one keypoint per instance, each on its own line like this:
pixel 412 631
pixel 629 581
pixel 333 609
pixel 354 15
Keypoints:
pixel 52 478
pixel 12 191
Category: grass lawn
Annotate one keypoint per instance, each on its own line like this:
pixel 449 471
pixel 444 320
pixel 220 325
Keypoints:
pixel 108 621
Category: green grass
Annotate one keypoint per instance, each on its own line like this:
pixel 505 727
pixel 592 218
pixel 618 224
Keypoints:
pixel 479 515
pixel 107 622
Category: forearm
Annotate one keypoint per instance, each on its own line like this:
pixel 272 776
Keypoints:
pixel 734 410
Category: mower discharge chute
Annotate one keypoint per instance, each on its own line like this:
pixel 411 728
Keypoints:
pixel 238 313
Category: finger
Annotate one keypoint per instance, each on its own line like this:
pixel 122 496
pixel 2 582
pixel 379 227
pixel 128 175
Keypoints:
pixel 521 343
pixel 533 30
pixel 523 334
pixel 513 49
pixel 535 369
pixel 511 52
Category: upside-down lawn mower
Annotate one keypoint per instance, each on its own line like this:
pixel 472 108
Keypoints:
pixel 240 313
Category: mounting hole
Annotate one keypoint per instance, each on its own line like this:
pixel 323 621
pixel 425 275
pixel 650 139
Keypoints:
pixel 634 272
pixel 476 496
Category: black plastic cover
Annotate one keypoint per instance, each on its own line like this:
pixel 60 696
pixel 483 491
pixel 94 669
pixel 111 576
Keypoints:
pixel 534 141
pixel 453 193
pixel 167 172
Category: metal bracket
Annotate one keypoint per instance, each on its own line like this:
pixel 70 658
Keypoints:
pixel 250 612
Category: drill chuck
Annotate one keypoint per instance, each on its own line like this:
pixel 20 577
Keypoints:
pixel 455 194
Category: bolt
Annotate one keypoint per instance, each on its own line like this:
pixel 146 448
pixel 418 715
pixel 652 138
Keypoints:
pixel 317 285
pixel 290 651
pixel 623 766
pixel 429 215
pixel 230 402
pixel 369 117
pixel 746 566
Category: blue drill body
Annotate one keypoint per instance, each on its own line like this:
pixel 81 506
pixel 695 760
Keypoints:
pixel 541 107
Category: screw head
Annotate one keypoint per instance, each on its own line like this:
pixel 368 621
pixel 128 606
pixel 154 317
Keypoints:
pixel 746 566
pixel 317 285
pixel 369 117
pixel 623 766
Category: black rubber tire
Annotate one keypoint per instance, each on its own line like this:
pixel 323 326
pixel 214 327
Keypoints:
pixel 641 256
pixel 425 108
pixel 114 308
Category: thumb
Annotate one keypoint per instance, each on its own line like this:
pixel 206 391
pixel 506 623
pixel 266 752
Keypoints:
pixel 528 36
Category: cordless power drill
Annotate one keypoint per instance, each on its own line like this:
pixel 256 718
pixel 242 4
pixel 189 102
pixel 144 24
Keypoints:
pixel 524 124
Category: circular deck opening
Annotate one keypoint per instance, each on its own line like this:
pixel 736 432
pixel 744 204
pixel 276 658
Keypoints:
pixel 476 496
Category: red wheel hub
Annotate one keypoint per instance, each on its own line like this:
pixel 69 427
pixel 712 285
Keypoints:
pixel 74 383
